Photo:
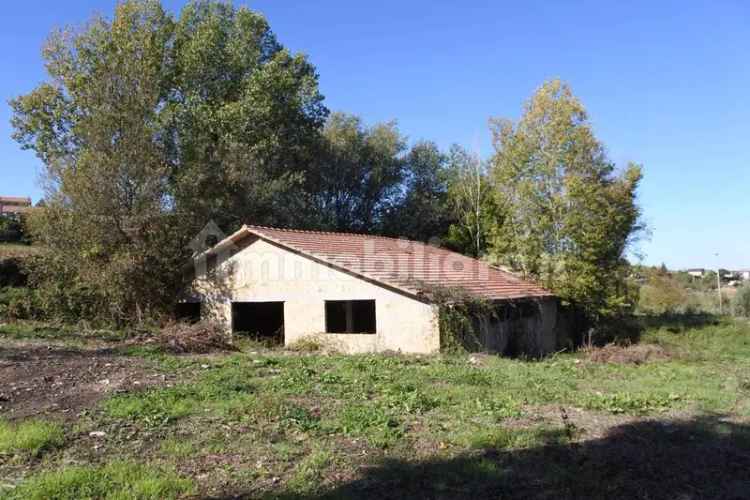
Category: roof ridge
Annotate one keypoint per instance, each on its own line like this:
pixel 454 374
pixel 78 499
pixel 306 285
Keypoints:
pixel 336 233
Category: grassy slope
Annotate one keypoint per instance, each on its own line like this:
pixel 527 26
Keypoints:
pixel 271 423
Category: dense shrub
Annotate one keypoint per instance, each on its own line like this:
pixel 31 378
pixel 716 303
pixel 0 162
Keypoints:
pixel 662 295
pixel 11 229
pixel 13 272
pixel 619 329
pixel 19 303
pixel 459 330
pixel 665 295
pixel 458 317
pixel 741 302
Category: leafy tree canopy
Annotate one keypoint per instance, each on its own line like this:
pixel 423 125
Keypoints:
pixel 564 215
pixel 359 174
pixel 151 125
pixel 422 212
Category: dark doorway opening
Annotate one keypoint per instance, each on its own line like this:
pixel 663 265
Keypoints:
pixel 190 312
pixel 260 320
pixel 350 316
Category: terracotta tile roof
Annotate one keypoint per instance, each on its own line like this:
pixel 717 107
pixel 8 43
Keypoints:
pixel 15 200
pixel 14 204
pixel 410 266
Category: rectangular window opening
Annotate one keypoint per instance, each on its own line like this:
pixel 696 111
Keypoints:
pixel 259 320
pixel 350 316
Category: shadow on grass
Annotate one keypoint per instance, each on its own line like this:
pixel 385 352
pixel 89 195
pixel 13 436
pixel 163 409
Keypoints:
pixel 677 323
pixel 707 457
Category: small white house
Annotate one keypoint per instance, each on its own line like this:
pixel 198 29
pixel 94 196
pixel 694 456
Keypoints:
pixel 357 293
pixel 696 273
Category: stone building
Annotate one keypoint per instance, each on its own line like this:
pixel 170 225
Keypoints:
pixel 360 293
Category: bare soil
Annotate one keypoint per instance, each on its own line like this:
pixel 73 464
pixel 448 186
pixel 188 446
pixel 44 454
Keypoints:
pixel 61 382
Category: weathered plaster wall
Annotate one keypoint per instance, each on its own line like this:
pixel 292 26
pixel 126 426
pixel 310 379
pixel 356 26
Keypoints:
pixel 260 271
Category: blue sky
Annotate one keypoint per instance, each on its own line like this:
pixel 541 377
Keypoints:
pixel 666 84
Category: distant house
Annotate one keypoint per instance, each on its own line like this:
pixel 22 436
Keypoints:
pixel 361 293
pixel 696 273
pixel 742 274
pixel 14 205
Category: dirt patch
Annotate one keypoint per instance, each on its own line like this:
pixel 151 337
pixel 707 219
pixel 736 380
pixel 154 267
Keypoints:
pixel 632 354
pixel 61 382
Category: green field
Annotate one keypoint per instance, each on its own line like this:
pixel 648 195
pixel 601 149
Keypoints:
pixel 670 423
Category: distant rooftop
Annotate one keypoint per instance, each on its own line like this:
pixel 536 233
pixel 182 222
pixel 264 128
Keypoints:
pixel 14 204
pixel 15 200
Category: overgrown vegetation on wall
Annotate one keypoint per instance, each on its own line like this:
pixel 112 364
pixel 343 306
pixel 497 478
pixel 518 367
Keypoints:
pixel 459 328
pixel 471 324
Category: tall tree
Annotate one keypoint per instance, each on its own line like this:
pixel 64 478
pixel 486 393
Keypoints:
pixel 243 118
pixel 359 175
pixel 470 199
pixel 564 215
pixel 422 211
pixel 148 127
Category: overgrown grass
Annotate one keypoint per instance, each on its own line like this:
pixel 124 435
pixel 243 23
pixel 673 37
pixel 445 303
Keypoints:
pixel 35 330
pixel 272 418
pixel 501 438
pixel 30 438
pixel 309 472
pixel 117 480
pixel 703 338
pixel 389 401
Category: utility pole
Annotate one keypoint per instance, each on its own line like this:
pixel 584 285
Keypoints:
pixel 718 283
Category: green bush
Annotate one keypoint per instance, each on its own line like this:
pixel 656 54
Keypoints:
pixel 741 302
pixel 618 329
pixel 662 295
pixel 458 332
pixel 11 229
pixel 18 303
pixel 56 292
pixel 458 316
